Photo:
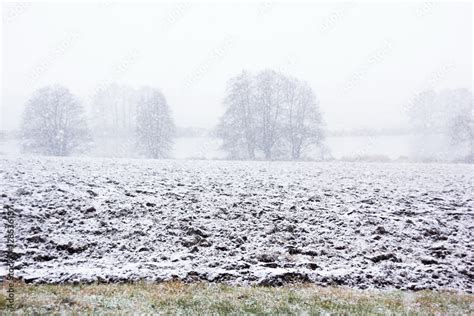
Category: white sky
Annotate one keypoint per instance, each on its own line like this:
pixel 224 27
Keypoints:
pixel 364 61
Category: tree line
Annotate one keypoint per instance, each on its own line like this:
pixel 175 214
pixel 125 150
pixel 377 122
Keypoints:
pixel 268 115
pixel 54 121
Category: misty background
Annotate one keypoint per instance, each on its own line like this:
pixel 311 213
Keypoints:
pixel 365 62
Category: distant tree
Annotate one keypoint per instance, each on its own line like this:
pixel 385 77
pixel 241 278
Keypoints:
pixel 461 122
pixel 114 109
pixel 269 104
pixel 271 114
pixel 237 126
pixel 425 112
pixel 155 127
pixel 302 119
pixel 444 123
pixel 53 123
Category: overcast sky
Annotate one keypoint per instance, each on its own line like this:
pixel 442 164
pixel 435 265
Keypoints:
pixel 364 61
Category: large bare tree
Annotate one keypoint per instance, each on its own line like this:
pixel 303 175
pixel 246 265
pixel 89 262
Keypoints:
pixel 269 104
pixel 237 127
pixel 53 123
pixel 303 125
pixel 155 126
pixel 269 115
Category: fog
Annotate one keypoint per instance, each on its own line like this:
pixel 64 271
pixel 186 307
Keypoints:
pixel 365 62
pixel 243 158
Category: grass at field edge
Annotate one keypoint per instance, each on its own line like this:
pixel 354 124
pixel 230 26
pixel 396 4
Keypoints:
pixel 220 299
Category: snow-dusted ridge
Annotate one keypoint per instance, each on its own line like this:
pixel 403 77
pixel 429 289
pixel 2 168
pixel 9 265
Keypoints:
pixel 406 226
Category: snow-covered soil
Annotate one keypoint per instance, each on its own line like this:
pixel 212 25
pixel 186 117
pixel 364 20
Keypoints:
pixel 406 226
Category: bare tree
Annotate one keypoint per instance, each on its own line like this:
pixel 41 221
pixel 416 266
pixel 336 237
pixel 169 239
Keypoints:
pixel 155 127
pixel 461 123
pixel 444 123
pixel 114 109
pixel 303 121
pixel 53 123
pixel 269 102
pixel 237 126
pixel 269 114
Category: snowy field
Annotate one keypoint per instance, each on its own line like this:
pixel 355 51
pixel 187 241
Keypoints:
pixel 407 226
